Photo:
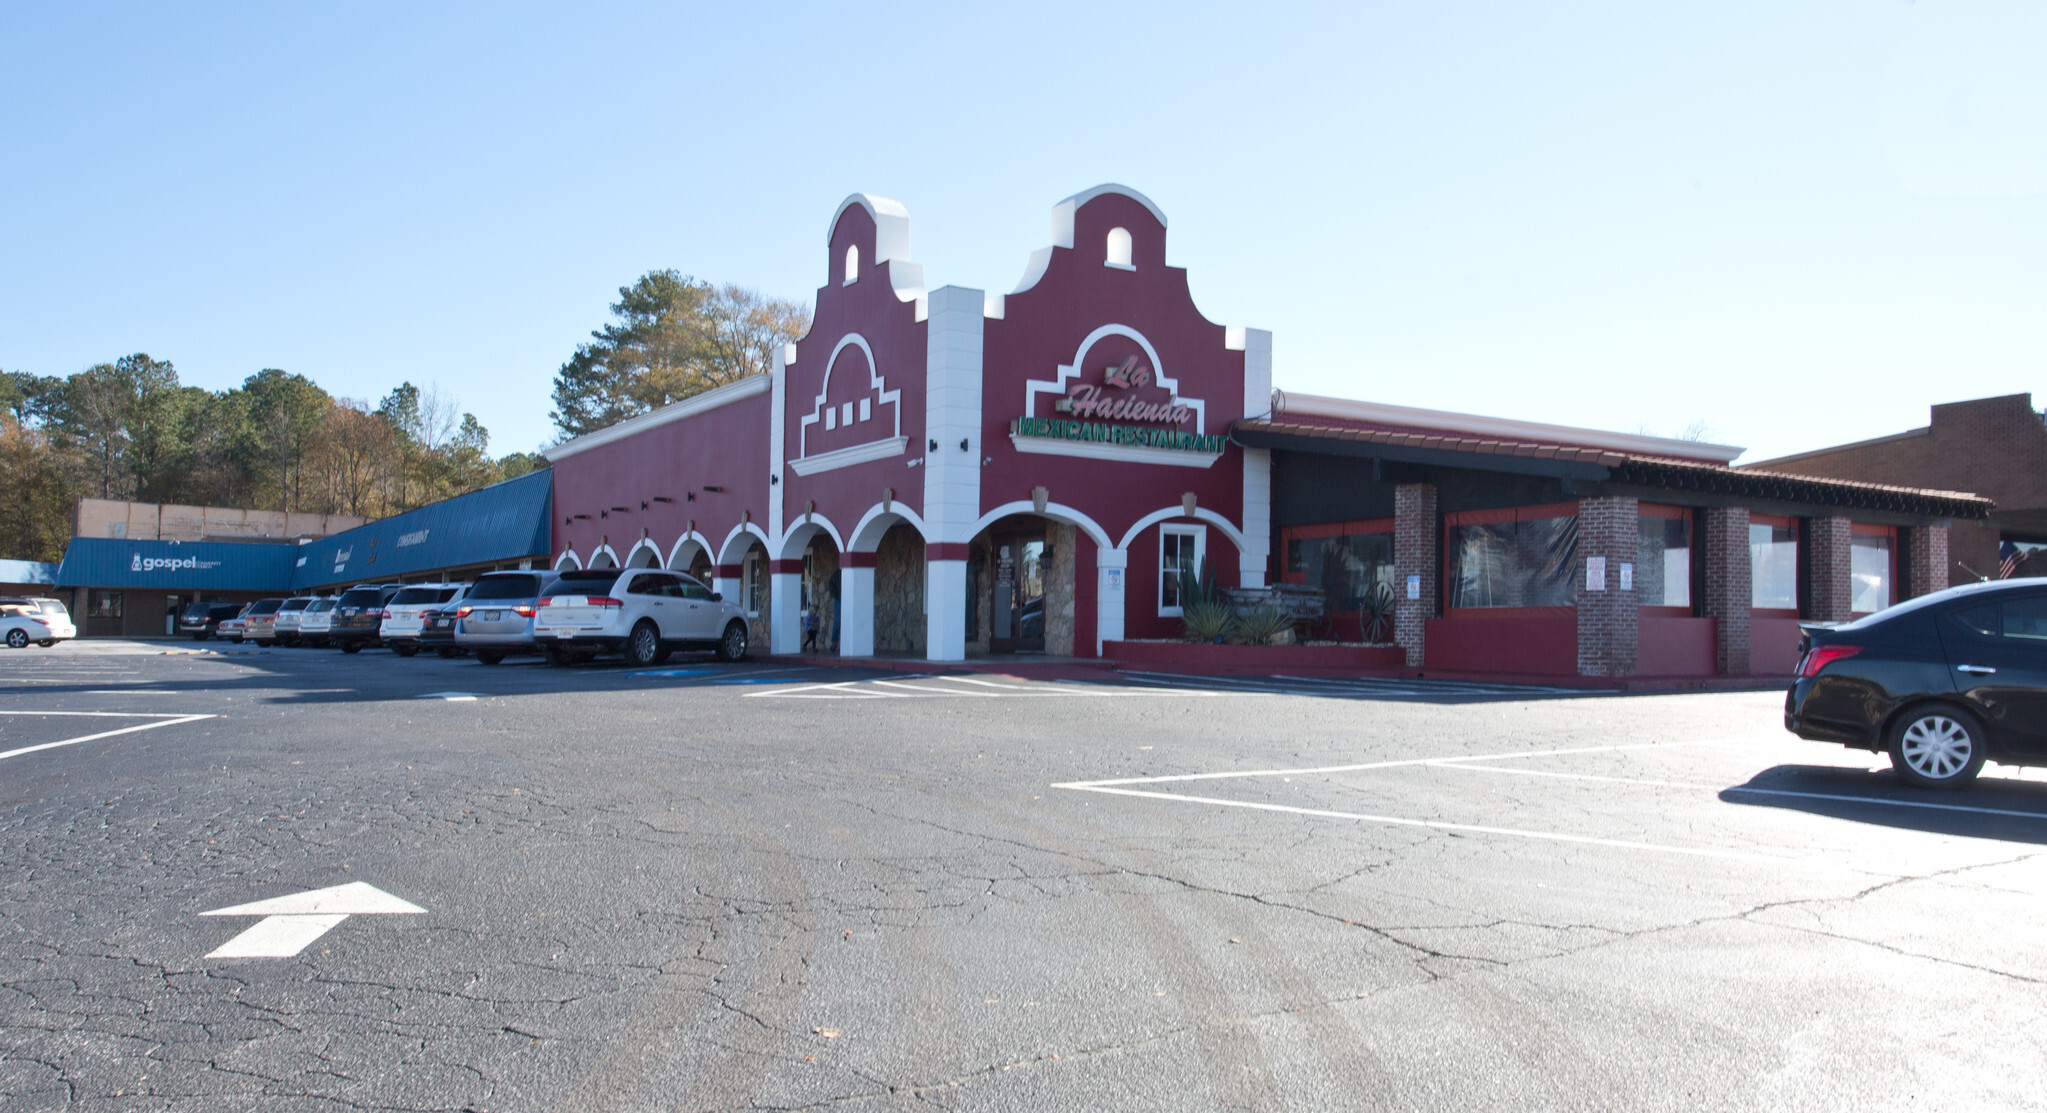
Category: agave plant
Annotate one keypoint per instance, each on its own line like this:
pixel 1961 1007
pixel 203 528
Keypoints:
pixel 1375 614
pixel 1261 624
pixel 1204 620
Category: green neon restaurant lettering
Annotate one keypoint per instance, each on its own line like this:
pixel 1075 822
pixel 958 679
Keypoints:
pixel 1059 429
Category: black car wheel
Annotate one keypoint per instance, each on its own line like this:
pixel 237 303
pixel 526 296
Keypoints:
pixel 447 652
pixel 732 647
pixel 351 647
pixel 488 657
pixel 405 650
pixel 643 648
pixel 560 658
pixel 1937 746
pixel 17 639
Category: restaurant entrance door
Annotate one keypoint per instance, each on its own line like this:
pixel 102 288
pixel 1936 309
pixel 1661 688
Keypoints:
pixel 1018 624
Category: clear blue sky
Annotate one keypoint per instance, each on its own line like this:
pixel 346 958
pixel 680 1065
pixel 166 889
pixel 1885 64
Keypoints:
pixel 1799 223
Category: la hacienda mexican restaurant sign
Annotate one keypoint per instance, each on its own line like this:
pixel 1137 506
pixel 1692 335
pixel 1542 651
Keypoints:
pixel 1094 409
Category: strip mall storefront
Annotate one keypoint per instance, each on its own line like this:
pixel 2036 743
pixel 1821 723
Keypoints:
pixel 939 472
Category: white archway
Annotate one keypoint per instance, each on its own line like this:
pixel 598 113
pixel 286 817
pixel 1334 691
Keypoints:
pixel 1055 511
pixel 603 556
pixel 645 554
pixel 1235 535
pixel 877 521
pixel 686 549
pixel 568 561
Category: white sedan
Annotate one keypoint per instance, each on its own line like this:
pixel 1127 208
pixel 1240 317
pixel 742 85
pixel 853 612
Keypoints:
pixel 42 621
pixel 646 613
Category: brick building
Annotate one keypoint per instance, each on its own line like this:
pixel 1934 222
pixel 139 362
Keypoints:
pixel 1993 447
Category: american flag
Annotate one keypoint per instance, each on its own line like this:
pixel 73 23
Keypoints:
pixel 2009 558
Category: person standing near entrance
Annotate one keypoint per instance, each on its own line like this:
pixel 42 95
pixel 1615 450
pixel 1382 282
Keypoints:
pixel 809 629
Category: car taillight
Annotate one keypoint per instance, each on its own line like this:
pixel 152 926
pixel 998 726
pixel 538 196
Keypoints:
pixel 385 613
pixel 1823 655
pixel 604 601
pixel 526 610
pixel 463 610
pixel 544 601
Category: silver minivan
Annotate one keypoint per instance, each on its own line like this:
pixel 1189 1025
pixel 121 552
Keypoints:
pixel 495 620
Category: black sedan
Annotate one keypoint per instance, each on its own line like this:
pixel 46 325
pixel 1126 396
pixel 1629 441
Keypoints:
pixel 1941 682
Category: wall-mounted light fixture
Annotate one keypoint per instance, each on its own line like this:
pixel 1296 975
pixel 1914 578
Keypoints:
pixel 934 445
pixel 643 504
pixel 963 444
pixel 715 490
pixel 663 498
pixel 773 479
pixel 623 509
pixel 584 517
pixel 604 513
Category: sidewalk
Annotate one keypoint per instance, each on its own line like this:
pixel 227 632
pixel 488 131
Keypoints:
pixel 1035 666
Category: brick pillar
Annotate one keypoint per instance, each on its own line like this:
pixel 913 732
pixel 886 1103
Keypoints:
pixel 1414 555
pixel 1926 549
pixel 1730 586
pixel 1609 626
pixel 1829 570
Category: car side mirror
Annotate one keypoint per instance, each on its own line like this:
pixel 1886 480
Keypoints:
pixel 717 597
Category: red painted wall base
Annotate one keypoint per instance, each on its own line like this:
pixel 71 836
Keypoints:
pixel 1260 657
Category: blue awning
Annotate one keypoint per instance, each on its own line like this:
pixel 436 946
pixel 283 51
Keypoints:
pixel 501 523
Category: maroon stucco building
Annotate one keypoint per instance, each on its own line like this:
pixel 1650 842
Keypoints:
pixel 943 471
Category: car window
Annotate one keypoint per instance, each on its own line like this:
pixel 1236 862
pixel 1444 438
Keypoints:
pixel 652 583
pixel 1979 620
pixel 505 587
pixel 50 606
pixel 694 590
pixel 2026 618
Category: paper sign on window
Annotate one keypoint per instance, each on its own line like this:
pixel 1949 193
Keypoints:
pixel 1595 573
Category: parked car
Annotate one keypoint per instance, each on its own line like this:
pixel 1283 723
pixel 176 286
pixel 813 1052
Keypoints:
pixel 289 614
pixel 645 613
pixel 202 620
pixel 25 619
pixel 314 620
pixel 259 622
pixel 230 629
pixel 358 614
pixel 495 620
pixel 1941 682
pixel 437 630
pixel 403 615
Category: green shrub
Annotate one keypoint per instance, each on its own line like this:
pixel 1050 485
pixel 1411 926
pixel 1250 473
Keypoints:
pixel 1204 620
pixel 1260 625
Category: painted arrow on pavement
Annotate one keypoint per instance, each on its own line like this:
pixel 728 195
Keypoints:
pixel 290 924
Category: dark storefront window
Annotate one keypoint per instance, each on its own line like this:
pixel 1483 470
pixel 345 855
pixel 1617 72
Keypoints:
pixel 1773 563
pixel 103 604
pixel 1529 560
pixel 1663 558
pixel 1344 560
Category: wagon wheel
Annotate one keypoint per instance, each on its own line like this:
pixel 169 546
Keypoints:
pixel 1375 614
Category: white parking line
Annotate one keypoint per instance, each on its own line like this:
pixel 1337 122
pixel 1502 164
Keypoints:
pixel 164 721
pixel 1880 800
pixel 1400 762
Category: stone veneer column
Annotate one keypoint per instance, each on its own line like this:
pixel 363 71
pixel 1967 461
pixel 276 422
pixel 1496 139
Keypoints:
pixel 1609 623
pixel 1829 570
pixel 1926 549
pixel 1730 586
pixel 1414 555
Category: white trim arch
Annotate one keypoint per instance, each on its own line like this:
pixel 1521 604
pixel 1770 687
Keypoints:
pixel 1053 510
pixel 797 537
pixel 574 563
pixel 644 545
pixel 867 535
pixel 689 537
pixel 602 552
pixel 1201 513
pixel 733 549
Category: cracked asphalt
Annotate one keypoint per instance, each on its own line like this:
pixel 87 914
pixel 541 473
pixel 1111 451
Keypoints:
pixel 752 888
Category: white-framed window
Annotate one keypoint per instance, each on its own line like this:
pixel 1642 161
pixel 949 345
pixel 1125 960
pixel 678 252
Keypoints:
pixel 754 583
pixel 852 266
pixel 1181 549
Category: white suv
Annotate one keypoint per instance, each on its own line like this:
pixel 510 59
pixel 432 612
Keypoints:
pixel 647 613
pixel 401 624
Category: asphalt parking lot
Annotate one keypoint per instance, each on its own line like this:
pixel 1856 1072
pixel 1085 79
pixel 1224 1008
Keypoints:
pixel 297 880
